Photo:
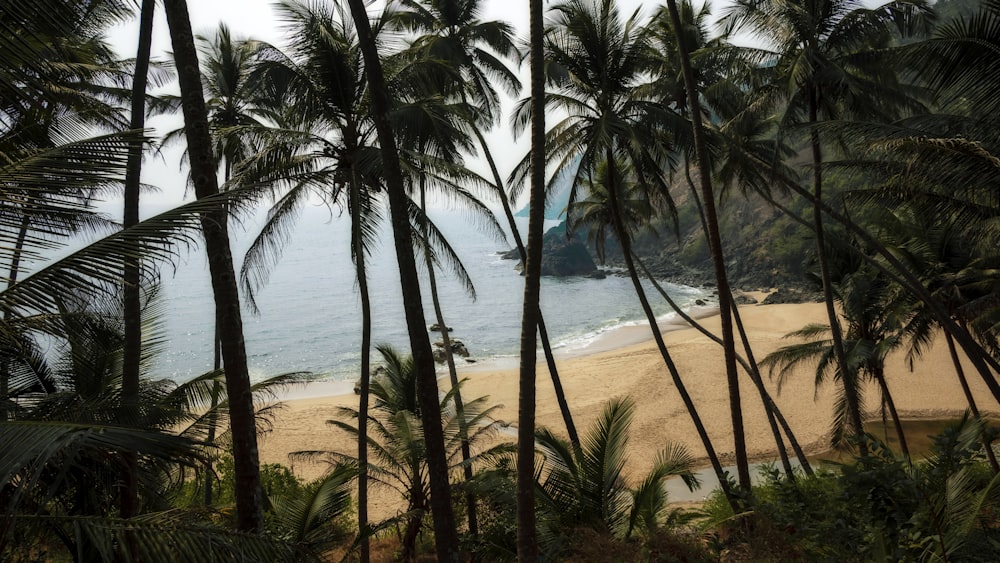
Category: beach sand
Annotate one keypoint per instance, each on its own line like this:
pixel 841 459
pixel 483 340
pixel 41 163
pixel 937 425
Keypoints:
pixel 931 390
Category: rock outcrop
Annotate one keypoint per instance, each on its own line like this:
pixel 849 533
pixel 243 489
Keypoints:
pixel 457 349
pixel 563 255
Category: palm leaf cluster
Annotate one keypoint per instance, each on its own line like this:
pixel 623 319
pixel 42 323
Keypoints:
pixel 876 118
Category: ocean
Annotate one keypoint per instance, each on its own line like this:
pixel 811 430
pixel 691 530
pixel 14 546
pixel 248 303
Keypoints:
pixel 310 316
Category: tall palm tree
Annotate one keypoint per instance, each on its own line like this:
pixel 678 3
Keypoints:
pixel 527 532
pixel 609 127
pixel 824 66
pixel 473 51
pixel 445 533
pixel 131 310
pixel 325 147
pixel 220 260
pixel 727 306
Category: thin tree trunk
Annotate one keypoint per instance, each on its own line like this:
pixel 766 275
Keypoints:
pixel 848 379
pixel 365 386
pixel 623 240
pixel 879 375
pixel 715 244
pixel 750 364
pixel 470 498
pixel 132 306
pixel 246 463
pixel 15 267
pixel 543 334
pixel 527 533
pixel 216 388
pixel 960 372
pixel 445 534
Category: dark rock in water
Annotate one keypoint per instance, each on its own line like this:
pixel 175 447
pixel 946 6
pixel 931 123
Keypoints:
pixel 563 255
pixel 470 360
pixel 744 299
pixel 437 328
pixel 597 275
pixel 793 295
pixel 700 302
pixel 457 349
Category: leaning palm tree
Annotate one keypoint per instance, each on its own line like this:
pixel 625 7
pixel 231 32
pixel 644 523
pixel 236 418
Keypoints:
pixel 608 128
pixel 445 533
pixel 822 57
pixel 227 301
pixel 472 52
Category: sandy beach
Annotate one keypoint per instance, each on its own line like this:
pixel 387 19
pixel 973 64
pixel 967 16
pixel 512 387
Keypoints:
pixel 636 370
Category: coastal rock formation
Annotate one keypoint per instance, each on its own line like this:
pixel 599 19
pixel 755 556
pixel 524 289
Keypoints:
pixel 457 349
pixel 793 295
pixel 437 328
pixel 564 255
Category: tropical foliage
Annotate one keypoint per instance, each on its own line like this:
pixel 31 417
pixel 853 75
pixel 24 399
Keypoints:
pixel 871 129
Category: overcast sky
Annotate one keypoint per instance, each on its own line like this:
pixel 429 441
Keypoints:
pixel 257 19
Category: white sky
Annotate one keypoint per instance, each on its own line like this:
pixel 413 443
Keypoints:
pixel 256 19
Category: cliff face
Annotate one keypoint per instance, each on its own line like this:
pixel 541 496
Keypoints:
pixel 763 247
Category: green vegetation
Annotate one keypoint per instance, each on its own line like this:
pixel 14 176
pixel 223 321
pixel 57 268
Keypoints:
pixel 854 144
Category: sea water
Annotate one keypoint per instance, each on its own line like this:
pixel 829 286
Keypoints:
pixel 309 316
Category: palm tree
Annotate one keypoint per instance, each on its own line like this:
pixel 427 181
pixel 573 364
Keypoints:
pixel 607 128
pixel 473 51
pixel 220 260
pixel 603 214
pixel 453 33
pixel 824 67
pixel 131 309
pixel 710 222
pixel 445 534
pixel 527 532
pixel 588 487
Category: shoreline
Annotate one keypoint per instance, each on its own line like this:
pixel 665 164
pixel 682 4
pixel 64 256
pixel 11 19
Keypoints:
pixel 636 370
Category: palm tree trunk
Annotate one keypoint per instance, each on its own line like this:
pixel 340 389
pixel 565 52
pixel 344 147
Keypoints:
pixel 470 499
pixel 366 339
pixel 445 534
pixel 960 372
pixel 249 497
pixel 879 375
pixel 132 314
pixel 715 244
pixel 750 364
pixel 527 534
pixel 216 388
pixel 848 379
pixel 543 334
pixel 15 267
pixel 623 240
